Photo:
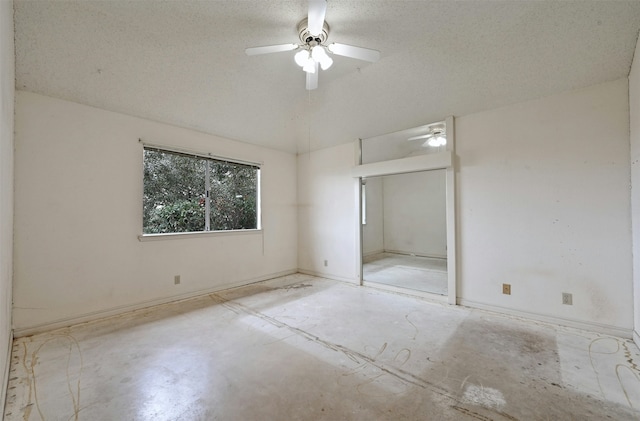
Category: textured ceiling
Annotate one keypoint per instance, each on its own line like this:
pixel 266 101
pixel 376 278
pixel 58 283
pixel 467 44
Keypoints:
pixel 183 62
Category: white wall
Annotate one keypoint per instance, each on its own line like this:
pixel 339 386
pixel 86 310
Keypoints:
pixel 78 176
pixel 7 89
pixel 415 217
pixel 544 205
pixel 373 230
pixel 328 213
pixel 543 193
pixel 634 113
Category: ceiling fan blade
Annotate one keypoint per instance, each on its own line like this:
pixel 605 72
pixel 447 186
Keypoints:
pixel 312 80
pixel 422 136
pixel 254 51
pixel 359 53
pixel 315 18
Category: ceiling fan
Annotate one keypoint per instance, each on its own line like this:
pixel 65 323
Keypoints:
pixel 313 32
pixel 436 136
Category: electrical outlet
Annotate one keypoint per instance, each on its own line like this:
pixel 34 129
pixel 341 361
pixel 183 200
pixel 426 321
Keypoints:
pixel 176 279
pixel 326 263
pixel 506 289
pixel 567 298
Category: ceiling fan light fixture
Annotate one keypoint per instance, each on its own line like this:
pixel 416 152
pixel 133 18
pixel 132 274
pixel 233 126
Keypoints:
pixel 319 54
pixel 437 140
pixel 326 63
pixel 301 58
pixel 310 66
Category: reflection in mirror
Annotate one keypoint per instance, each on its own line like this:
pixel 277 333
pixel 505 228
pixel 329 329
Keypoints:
pixel 427 139
pixel 404 239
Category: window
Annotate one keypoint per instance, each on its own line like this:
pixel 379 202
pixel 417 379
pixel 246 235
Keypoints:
pixel 191 193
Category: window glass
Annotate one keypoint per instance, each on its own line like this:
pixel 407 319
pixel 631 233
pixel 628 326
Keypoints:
pixel 187 193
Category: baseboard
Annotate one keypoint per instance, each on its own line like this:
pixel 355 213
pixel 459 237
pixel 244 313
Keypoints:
pixel 101 314
pixel 5 376
pixel 329 276
pixel 372 253
pixel 410 253
pixel 636 338
pixel 577 324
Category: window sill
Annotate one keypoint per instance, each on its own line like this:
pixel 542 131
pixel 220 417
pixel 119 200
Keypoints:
pixel 185 235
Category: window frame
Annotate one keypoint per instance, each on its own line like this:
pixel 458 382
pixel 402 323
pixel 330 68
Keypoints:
pixel 208 157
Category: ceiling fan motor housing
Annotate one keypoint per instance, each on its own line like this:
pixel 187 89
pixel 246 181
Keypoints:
pixel 312 40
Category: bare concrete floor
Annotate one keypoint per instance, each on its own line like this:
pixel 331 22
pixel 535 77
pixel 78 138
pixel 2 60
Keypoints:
pixel 417 273
pixel 305 348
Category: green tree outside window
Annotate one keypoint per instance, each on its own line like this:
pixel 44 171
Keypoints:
pixel 176 198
